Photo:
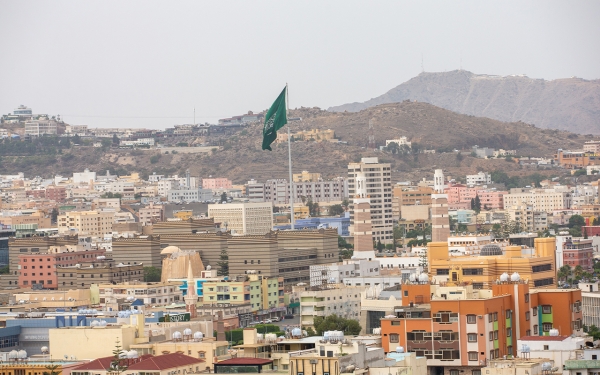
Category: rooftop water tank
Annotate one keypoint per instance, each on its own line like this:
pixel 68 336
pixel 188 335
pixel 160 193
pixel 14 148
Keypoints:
pixel 187 332
pixel 515 277
pixel 198 336
pixel 504 277
pixel 399 349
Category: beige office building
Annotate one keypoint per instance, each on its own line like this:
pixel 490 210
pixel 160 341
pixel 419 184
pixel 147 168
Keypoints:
pixel 243 218
pixel 546 200
pixel 86 223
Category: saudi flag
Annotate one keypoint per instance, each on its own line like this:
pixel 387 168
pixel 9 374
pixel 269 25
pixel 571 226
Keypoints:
pixel 274 120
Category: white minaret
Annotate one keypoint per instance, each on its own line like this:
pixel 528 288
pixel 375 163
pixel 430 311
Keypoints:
pixel 438 181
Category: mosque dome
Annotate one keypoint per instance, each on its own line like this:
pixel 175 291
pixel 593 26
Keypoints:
pixel 490 250
pixel 170 250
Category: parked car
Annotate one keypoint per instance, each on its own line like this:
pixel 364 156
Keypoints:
pixel 268 321
pixel 289 316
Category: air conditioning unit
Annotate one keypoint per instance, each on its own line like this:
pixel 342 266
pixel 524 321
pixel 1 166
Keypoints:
pixel 480 316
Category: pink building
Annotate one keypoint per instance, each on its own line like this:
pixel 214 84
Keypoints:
pixel 459 197
pixel 216 183
pixel 41 268
pixel 492 199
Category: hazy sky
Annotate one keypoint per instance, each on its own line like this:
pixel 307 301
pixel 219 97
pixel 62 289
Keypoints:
pixel 148 63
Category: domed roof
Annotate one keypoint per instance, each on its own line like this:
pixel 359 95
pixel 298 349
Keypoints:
pixel 490 250
pixel 170 250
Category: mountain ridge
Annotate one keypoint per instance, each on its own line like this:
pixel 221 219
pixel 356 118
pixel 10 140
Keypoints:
pixel 566 103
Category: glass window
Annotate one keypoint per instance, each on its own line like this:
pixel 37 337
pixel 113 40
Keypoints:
pixel 471 319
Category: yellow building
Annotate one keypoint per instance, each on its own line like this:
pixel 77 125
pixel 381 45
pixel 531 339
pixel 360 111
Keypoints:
pixel 537 265
pixel 183 214
pixel 316 135
pixel 306 176
pixel 262 293
pixel 36 367
pixel 86 223
pixel 97 341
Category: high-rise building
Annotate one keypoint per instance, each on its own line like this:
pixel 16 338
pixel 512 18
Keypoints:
pixel 378 189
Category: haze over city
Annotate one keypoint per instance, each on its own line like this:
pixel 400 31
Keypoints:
pixel 149 64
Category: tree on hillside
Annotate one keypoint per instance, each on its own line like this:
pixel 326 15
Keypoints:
pixel 223 197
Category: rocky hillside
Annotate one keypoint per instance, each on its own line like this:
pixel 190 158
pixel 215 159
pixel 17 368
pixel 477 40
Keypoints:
pixel 240 157
pixel 569 104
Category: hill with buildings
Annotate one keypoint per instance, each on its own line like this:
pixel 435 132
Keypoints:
pixel 240 158
pixel 569 104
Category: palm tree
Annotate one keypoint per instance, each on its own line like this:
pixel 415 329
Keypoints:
pixel 564 272
pixel 578 272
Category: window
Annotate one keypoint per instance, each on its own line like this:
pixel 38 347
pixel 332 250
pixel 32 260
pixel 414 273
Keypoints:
pixel 472 337
pixel 527 297
pixel 476 372
pixel 546 309
pixel 508 332
pixel 508 314
pixel 535 329
pixel 546 347
pixel 527 315
pixel 473 356
pixel 495 335
pixel 453 372
pixel 394 337
pixel 495 317
pixel 491 336
pixel 547 327
pixel 471 319
pixel 535 311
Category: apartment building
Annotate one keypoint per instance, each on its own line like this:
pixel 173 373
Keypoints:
pixel 377 177
pixel 216 183
pixel 86 223
pixel 157 293
pixel 546 200
pixel 139 250
pixel 243 218
pixel 36 128
pixel 262 292
pixel 459 328
pixel 409 196
pixel 527 218
pixel 306 176
pixel 481 178
pixel 343 301
pixel 278 191
pixel 578 252
pixel 151 214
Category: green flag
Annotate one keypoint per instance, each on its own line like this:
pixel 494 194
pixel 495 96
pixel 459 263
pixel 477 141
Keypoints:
pixel 274 120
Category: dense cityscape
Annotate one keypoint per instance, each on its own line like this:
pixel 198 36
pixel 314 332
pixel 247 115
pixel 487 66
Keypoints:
pixel 336 187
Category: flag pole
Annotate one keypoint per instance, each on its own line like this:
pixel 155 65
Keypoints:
pixel 290 161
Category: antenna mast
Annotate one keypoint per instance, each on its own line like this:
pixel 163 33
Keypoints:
pixel 371 135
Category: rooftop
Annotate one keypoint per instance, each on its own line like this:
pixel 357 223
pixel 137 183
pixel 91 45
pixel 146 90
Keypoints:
pixel 244 361
pixel 544 338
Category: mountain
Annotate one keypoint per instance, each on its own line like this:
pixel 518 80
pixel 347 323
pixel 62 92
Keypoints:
pixel 240 157
pixel 569 104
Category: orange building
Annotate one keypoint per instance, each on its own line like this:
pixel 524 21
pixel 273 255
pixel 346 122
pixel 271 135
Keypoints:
pixel 461 328
pixel 576 159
